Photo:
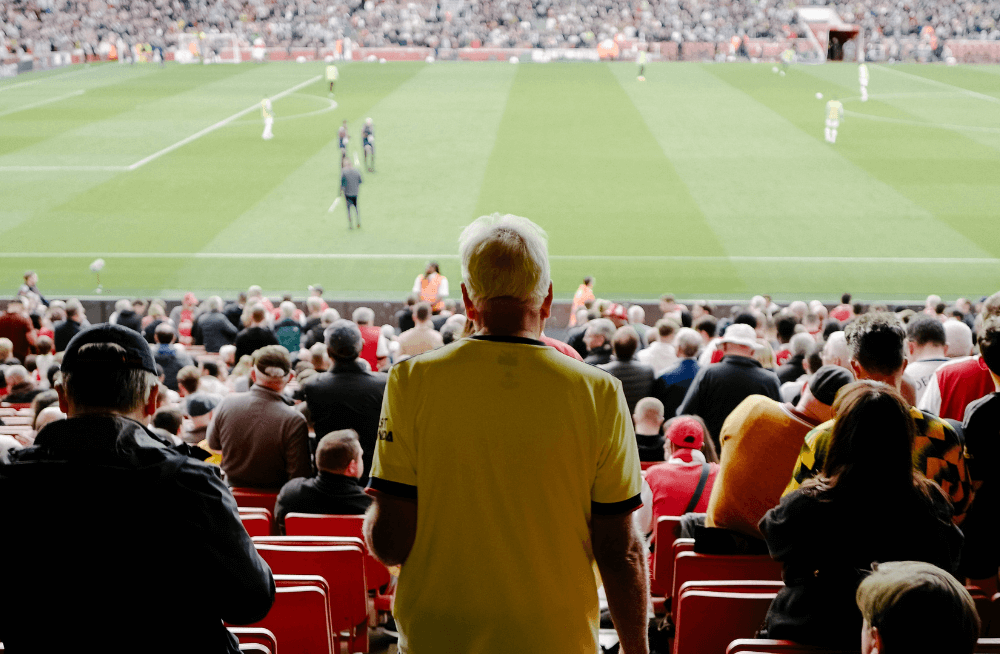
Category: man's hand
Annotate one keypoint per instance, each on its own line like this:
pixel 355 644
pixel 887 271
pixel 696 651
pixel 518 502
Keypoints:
pixel 390 528
pixel 621 559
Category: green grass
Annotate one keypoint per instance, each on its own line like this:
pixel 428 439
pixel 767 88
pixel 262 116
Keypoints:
pixel 706 180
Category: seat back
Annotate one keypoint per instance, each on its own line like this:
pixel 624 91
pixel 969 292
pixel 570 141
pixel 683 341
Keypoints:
pixel 734 586
pixel 664 534
pixel 253 497
pixel 300 617
pixel 306 524
pixel 256 636
pixel 988 646
pixel 256 524
pixel 692 566
pixel 338 560
pixel 698 628
pixel 769 646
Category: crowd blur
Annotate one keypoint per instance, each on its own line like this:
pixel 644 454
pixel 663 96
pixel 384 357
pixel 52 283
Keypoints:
pixel 94 26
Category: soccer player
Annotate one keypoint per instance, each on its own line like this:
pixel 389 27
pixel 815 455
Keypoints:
pixel 268 113
pixel 863 80
pixel 641 60
pixel 368 142
pixel 787 59
pixel 350 182
pixel 834 112
pixel 342 138
pixel 331 76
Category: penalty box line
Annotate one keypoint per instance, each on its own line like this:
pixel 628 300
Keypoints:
pixel 167 150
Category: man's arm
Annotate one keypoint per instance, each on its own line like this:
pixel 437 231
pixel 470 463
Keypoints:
pixel 297 449
pixel 620 556
pixel 390 528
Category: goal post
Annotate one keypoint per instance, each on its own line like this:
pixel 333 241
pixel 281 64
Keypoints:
pixel 203 48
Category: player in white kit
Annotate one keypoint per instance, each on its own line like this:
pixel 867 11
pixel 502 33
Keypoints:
pixel 332 74
pixel 863 80
pixel 834 112
pixel 268 113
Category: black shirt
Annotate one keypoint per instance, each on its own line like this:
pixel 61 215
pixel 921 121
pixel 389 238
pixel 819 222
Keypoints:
pixel 64 331
pixel 326 494
pixel 252 339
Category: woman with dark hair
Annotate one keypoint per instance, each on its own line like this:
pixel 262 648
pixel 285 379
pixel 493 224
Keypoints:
pixel 868 505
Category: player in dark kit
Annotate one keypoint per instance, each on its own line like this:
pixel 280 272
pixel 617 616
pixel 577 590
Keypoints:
pixel 368 142
pixel 342 139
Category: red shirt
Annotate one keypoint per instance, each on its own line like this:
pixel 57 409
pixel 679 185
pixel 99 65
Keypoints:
pixel 961 384
pixel 673 486
pixel 562 347
pixel 370 334
pixel 20 331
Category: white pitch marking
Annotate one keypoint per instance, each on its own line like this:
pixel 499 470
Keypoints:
pixel 334 205
pixel 917 123
pixel 221 123
pixel 979 261
pixel 40 103
pixel 959 89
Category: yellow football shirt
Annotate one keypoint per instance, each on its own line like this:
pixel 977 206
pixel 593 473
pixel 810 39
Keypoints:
pixel 509 446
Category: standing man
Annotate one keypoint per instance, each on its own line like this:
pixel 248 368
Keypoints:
pixel 863 80
pixel 432 286
pixel 583 295
pixel 641 60
pixel 368 141
pixel 466 434
pixel 342 139
pixel 834 112
pixel 332 74
pixel 350 183
pixel 268 113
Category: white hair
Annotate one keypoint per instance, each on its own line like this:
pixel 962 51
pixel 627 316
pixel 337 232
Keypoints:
pixel 933 301
pixel 214 303
pixel 837 344
pixel 363 316
pixel 329 317
pixel 601 327
pixel 123 305
pixel 287 309
pixel 636 314
pixel 505 256
pixel 313 303
pixel 17 375
pixel 957 338
pixel 688 342
pixel 801 343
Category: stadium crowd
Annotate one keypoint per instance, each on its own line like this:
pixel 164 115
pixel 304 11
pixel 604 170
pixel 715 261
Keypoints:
pixel 44 25
pixel 863 407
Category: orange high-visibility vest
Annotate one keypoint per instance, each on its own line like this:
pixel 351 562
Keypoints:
pixel 429 291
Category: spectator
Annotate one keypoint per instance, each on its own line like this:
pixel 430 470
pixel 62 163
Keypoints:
pixel 65 330
pixel 523 402
pixel 213 329
pixel 958 339
pixel 188 380
pixel 636 316
pixel 213 378
pixel 598 338
pixel 376 349
pixel 718 389
pixel 684 483
pixel 256 335
pixel 575 336
pixel 422 338
pixel 21 388
pixel 918 608
pixel 157 316
pixel 925 343
pixel 760 440
pixel 404 317
pixel 227 354
pixel 335 489
pixel 876 343
pixel 636 378
pixel 126 316
pixel 867 505
pixel 234 311
pixel 169 356
pixel 449 310
pixel 798 348
pixel 182 317
pixel 671 386
pixel 45 358
pixel 315 335
pixel 167 423
pixel 432 287
pixel 173 504
pixel 706 328
pixel 648 420
pixel 661 355
pixel 315 306
pixel 264 441
pixel 288 330
pixel 16 326
pixel 844 311
pixel 347 397
pixel 30 286
pixel 318 357
pixel 316 292
pixel 200 408
pixel 836 352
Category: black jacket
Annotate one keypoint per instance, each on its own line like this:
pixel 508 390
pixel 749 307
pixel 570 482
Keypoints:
pixel 325 493
pixel 213 330
pixel 348 397
pixel 791 369
pixel 131 543
pixel 252 339
pixel 64 331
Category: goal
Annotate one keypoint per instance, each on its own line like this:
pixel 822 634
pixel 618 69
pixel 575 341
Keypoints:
pixel 202 48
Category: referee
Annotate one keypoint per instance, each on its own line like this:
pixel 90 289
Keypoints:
pixel 350 182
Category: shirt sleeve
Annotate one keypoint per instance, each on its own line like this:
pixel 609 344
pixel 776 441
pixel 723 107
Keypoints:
pixel 416 284
pixel 811 456
pixel 394 468
pixel 443 287
pixel 382 349
pixel 618 482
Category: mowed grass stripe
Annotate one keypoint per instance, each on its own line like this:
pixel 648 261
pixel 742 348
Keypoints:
pixel 181 201
pixel 433 136
pixel 574 154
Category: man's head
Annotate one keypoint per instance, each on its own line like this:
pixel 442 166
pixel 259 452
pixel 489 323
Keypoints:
pixel 599 332
pixel 30 278
pixel 958 339
pixel 800 344
pixel 989 345
pixel 684 434
pixel 214 303
pixel 925 337
pixel 821 392
pixel 314 305
pixel 164 333
pixel 363 316
pixel 190 300
pixel 505 274
pixel 835 350
pixel 328 317
pixel 845 298
pixel 319 358
pixel 625 343
pixel 228 355
pixel 287 310
pixel 168 419
pixel 785 327
pixel 916 607
pixel 875 342
pixel 188 379
pixel 108 369
pixel 340 453
pixel 648 416
pixel 931 304
pixel 666 330
pixel 668 303
pixel 200 406
pixel 706 326
pixel 74 310
pixel 421 312
pixel 272 367
pixel 739 340
pixel 687 342
pixel 636 314
pixel 343 341
pixel 17 375
pixel 258 315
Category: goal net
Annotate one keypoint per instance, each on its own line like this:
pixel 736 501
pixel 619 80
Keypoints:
pixel 202 48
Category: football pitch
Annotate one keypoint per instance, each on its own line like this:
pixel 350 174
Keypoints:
pixel 706 180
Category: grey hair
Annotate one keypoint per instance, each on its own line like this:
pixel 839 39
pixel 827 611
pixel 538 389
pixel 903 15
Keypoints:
pixel 363 316
pixel 215 303
pixel 602 327
pixel 505 256
pixel 636 313
pixel 801 343
pixel 16 375
pixel 115 389
pixel 329 317
pixel 688 342
pixel 287 309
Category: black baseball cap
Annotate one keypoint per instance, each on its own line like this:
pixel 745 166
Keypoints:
pixel 827 381
pixel 136 355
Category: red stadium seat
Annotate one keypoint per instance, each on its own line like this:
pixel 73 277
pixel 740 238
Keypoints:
pixel 662 569
pixel 767 646
pixel 300 618
pixel 341 561
pixel 259 511
pixel 698 627
pixel 256 636
pixel 248 497
pixel 691 566
pixel 254 648
pixel 256 524
pixel 307 524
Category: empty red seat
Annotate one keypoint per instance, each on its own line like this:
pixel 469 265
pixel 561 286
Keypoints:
pixel 256 524
pixel 256 636
pixel 691 566
pixel 768 646
pixel 662 568
pixel 706 621
pixel 300 618
pixel 249 497
pixel 341 561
